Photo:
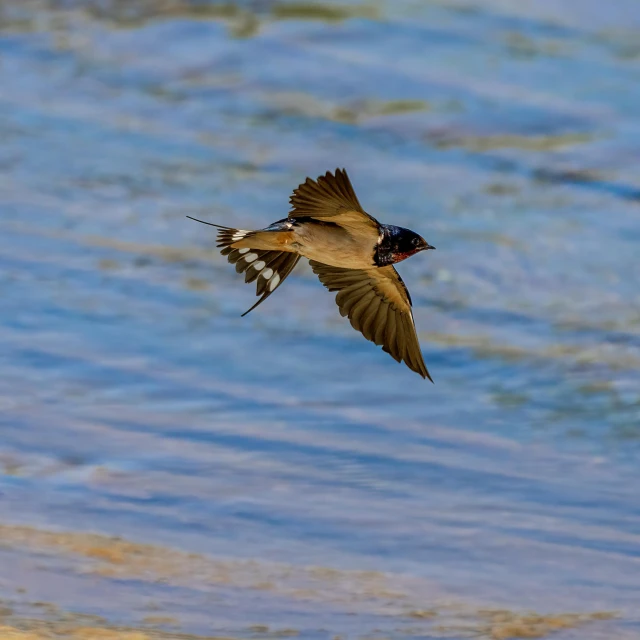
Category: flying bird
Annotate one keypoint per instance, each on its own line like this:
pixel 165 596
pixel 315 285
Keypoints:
pixel 350 252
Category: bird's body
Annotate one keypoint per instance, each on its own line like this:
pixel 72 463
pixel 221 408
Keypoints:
pixel 320 241
pixel 334 245
pixel 349 250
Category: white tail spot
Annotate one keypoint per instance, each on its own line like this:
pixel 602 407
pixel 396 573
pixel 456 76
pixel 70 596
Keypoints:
pixel 267 273
pixel 273 283
pixel 243 251
pixel 258 265
pixel 238 235
pixel 251 257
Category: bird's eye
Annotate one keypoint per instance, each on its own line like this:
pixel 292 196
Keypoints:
pixel 415 242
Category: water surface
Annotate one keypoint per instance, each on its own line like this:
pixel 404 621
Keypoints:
pixel 277 474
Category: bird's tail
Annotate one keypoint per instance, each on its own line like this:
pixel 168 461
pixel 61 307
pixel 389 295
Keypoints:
pixel 255 254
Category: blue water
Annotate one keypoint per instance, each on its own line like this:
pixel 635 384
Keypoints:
pixel 134 401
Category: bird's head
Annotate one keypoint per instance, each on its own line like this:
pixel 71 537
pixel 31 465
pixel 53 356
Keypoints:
pixel 397 244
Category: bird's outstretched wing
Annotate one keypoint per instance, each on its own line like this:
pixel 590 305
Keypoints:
pixel 331 198
pixel 378 305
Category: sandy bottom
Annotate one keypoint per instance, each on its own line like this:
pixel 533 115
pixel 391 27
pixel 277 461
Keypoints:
pixel 111 562
pixel 497 625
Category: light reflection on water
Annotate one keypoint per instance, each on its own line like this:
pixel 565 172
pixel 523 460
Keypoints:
pixel 136 402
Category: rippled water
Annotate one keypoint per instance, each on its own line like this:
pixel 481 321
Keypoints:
pixel 135 402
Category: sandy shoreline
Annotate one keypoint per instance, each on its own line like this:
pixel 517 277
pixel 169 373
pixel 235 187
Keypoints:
pixel 415 606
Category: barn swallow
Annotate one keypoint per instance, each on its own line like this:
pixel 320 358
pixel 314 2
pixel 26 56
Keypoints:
pixel 350 252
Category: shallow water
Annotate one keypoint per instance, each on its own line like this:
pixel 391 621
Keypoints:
pixel 321 488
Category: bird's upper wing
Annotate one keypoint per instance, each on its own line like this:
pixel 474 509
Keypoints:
pixel 378 305
pixel 331 198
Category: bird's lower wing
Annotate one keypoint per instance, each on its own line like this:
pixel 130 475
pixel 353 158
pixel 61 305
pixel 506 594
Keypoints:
pixel 378 305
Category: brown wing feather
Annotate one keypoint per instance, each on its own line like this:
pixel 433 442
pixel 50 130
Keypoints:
pixel 330 196
pixel 378 305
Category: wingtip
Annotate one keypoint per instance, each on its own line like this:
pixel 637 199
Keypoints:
pixel 424 372
pixel 427 375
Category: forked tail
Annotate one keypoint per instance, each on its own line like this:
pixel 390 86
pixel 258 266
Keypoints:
pixel 269 267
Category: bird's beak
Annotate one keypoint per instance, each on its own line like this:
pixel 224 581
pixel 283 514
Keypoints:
pixel 428 246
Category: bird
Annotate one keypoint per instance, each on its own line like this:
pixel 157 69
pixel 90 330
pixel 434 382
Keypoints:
pixel 350 252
